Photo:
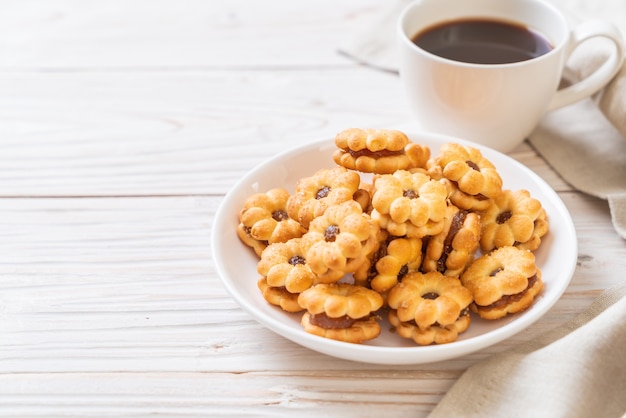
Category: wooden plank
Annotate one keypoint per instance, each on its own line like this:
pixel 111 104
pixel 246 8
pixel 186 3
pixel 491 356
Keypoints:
pixel 117 34
pixel 224 394
pixel 93 134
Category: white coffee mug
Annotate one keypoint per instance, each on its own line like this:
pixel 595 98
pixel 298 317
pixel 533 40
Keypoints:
pixel 497 105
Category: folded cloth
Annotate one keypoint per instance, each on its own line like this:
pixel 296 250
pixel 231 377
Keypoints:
pixel 588 152
pixel 585 143
pixel 575 370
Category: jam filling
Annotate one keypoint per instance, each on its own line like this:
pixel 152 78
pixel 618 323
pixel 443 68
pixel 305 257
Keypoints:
pixel 411 194
pixel 296 259
pixel 430 295
pixel 324 321
pixel 322 193
pixel 496 271
pixel 331 232
pixel 455 226
pixel 472 165
pixel 279 215
pixel 404 270
pixel 507 299
pixel 503 217
pixel 375 154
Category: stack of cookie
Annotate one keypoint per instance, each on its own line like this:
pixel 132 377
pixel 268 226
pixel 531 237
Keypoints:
pixel 392 230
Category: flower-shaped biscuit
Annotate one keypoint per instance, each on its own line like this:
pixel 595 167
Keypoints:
pixel 432 335
pixel 513 218
pixel 341 311
pixel 314 194
pixel 475 179
pixel 264 220
pixel 502 282
pixel 380 151
pixel 284 265
pixel 429 299
pixel 409 204
pixel 339 241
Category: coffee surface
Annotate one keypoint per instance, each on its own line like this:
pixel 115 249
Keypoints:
pixel 483 41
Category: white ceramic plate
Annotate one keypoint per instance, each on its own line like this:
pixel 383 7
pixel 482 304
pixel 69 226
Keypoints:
pixel 236 263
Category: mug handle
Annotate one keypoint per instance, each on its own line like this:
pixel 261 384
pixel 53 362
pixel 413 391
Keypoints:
pixel 599 78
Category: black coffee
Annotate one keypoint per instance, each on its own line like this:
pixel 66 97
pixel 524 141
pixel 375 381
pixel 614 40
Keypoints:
pixel 482 41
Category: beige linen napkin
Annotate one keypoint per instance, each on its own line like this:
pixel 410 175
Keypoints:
pixel 585 142
pixel 575 370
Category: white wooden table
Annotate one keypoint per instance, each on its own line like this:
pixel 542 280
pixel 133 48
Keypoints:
pixel 122 126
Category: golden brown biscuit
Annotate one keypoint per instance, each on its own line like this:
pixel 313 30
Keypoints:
pixel 474 179
pixel 284 265
pixel 314 194
pixel 429 308
pixel 264 220
pixel 450 251
pixel 429 298
pixel 434 334
pixel 503 282
pixel 341 311
pixel 409 204
pixel 381 151
pixel 339 241
pixel 513 218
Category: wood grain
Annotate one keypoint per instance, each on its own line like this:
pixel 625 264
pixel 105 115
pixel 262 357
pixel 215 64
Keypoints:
pixel 122 126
